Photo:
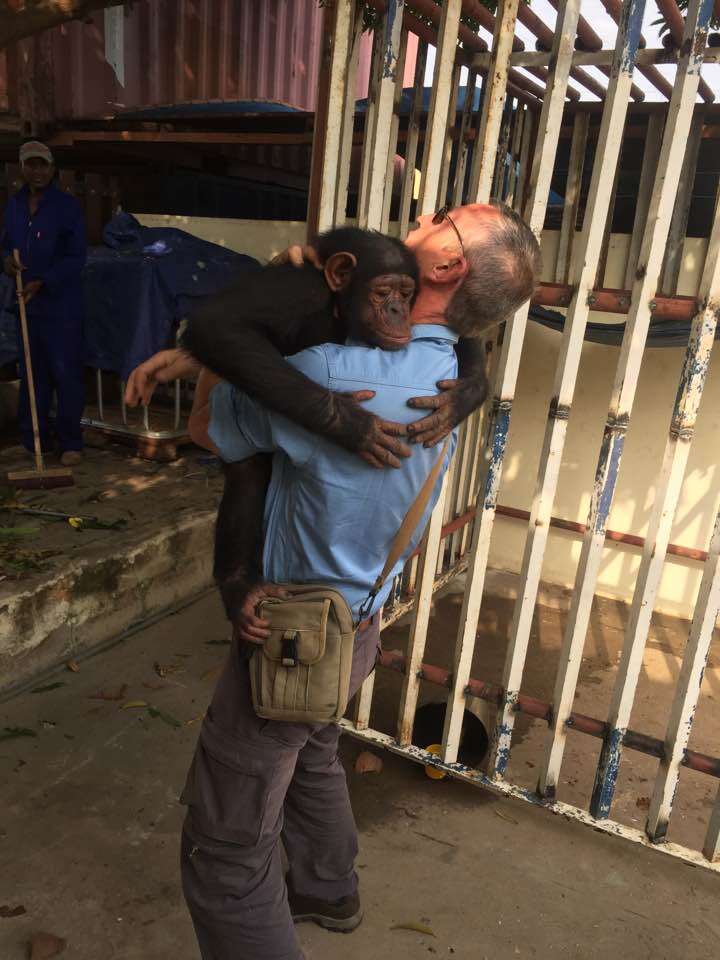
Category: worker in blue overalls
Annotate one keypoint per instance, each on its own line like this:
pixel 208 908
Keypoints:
pixel 46 227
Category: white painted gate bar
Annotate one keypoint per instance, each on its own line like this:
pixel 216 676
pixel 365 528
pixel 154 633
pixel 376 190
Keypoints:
pixel 439 106
pixel 653 142
pixel 576 165
pixel 596 214
pixel 495 85
pixel 631 352
pixel 344 11
pixel 413 136
pixel 508 365
pixel 383 96
pixel 667 494
pixel 687 692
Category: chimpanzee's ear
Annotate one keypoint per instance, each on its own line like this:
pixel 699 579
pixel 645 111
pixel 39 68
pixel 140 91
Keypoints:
pixel 339 269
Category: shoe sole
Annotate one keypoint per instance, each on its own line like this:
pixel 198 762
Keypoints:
pixel 346 925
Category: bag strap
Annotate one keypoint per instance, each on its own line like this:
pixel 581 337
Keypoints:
pixel 408 526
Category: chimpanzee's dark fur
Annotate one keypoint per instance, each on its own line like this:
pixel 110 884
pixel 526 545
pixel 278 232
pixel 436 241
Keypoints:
pixel 244 333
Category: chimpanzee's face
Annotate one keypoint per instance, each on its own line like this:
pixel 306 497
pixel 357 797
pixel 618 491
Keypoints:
pixel 379 310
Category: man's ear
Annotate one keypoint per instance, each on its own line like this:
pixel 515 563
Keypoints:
pixel 451 270
pixel 339 270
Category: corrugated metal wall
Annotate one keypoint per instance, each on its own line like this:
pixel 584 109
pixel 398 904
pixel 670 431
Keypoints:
pixel 172 51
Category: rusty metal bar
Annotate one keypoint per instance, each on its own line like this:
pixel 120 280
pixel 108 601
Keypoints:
pixel 668 487
pixel 542 710
pixel 616 301
pixel 597 214
pixel 677 736
pixel 499 420
pixel 515 147
pixel 348 122
pixel 448 145
pixel 623 394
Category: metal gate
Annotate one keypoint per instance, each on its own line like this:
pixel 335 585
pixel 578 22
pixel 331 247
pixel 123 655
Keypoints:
pixel 505 146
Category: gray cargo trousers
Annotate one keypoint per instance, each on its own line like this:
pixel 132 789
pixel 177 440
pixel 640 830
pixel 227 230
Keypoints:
pixel 251 783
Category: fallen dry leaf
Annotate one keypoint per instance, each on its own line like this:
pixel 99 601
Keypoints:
pixel 194 719
pixel 368 763
pixel 6 911
pixel 415 927
pixel 212 673
pixel 154 686
pixel 73 666
pixel 165 669
pixel 118 694
pixel 504 816
pixel 43 946
pixel 134 704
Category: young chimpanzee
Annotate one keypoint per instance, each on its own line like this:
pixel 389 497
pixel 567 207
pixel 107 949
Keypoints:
pixel 365 291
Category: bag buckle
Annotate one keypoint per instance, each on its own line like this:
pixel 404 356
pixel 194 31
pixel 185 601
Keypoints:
pixel 289 648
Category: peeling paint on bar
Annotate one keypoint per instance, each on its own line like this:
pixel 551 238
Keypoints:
pixel 479 779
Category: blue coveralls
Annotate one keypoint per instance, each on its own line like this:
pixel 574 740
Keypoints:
pixel 53 249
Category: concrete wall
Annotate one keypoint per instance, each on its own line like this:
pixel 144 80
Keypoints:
pixel 645 441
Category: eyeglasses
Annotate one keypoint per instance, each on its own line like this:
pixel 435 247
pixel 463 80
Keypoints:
pixel 443 214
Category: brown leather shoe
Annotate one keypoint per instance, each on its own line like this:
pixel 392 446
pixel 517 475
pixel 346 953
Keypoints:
pixel 339 916
pixel 70 458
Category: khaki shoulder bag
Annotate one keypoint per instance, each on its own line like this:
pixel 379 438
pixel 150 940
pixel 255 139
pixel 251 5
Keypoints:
pixel 302 672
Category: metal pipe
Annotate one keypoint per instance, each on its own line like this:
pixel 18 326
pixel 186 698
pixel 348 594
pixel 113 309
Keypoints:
pixel 605 300
pixel 542 710
pixel 674 19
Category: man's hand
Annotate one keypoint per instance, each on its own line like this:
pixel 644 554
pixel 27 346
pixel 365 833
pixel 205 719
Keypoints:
pixel 248 625
pixel 298 256
pixel 456 401
pixel 11 266
pixel 375 440
pixel 30 289
pixel 162 367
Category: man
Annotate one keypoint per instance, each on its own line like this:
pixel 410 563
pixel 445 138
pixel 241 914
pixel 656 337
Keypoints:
pixel 329 518
pixel 46 227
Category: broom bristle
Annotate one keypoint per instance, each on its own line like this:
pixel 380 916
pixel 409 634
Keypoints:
pixel 41 480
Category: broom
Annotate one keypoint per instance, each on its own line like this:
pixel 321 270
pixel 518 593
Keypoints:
pixel 41 478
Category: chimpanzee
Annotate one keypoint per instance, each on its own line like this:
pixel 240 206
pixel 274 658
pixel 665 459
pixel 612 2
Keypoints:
pixel 365 291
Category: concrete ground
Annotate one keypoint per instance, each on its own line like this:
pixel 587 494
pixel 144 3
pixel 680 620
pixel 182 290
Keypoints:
pixel 90 821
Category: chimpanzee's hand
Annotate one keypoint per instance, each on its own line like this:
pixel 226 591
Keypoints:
pixel 456 401
pixel 248 625
pixel 374 439
pixel 298 256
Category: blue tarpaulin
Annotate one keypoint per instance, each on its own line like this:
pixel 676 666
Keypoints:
pixel 137 288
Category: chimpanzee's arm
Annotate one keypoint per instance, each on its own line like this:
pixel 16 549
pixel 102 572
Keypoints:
pixel 239 530
pixel 457 399
pixel 243 333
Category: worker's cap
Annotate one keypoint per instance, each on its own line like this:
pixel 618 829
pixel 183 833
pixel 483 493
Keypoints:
pixel 35 149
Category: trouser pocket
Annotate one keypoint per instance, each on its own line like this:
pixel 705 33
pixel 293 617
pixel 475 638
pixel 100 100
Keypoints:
pixel 232 790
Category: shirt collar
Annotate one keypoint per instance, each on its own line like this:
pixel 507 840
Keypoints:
pixel 421 331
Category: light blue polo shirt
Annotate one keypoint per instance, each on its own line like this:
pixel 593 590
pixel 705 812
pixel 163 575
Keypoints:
pixel 330 517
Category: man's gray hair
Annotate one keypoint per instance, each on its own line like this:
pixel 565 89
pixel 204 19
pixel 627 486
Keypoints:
pixel 504 269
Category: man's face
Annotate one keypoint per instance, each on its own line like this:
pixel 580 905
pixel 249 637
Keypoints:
pixel 37 173
pixel 433 243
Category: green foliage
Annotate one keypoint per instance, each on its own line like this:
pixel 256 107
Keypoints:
pixel 371 17
pixel 682 6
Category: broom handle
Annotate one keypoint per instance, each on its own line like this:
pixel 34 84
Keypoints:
pixel 39 462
